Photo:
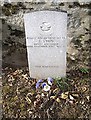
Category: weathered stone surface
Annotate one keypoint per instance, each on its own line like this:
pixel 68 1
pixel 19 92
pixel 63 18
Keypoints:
pixel 16 59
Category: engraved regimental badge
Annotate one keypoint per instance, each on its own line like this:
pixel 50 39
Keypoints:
pixel 45 28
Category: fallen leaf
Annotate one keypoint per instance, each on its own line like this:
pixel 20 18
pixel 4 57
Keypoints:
pixel 84 89
pixel 87 97
pixel 71 102
pixel 58 100
pixel 71 97
pixel 64 95
pixel 28 100
pixel 52 97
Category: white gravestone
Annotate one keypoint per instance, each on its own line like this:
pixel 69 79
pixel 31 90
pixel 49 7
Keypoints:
pixel 46 40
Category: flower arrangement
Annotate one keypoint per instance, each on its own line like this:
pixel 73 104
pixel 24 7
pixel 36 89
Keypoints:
pixel 45 85
pixel 50 89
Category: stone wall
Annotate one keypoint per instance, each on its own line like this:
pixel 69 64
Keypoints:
pixel 14 45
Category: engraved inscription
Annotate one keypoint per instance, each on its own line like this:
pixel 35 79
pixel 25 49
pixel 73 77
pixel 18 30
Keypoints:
pixel 46 41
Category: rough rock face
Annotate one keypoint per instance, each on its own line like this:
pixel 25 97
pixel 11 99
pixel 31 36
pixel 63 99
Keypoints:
pixel 14 34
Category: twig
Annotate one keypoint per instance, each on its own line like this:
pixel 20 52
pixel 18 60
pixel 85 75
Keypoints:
pixel 49 116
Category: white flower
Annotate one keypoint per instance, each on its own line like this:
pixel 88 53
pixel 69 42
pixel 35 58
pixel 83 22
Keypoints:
pixel 46 87
pixel 50 80
pixel 49 83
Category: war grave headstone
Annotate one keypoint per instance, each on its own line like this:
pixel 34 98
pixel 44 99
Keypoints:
pixel 46 41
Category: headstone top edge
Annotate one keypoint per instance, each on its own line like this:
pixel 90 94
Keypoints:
pixel 45 11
